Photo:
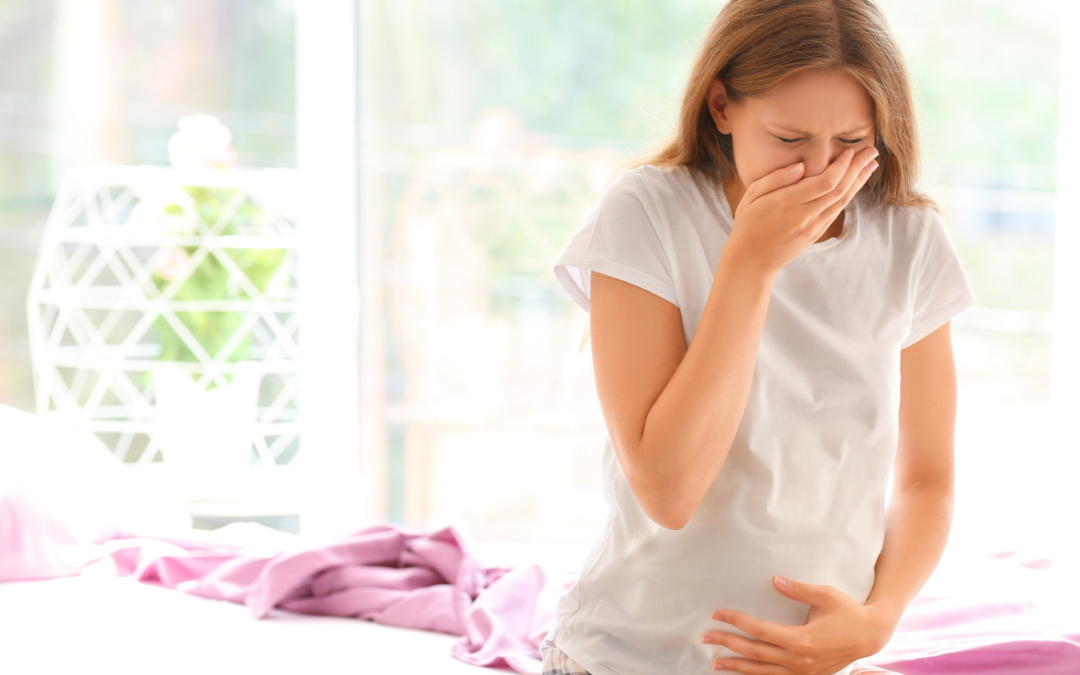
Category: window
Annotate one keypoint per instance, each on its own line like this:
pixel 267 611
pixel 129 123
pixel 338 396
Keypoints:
pixel 484 132
pixel 481 122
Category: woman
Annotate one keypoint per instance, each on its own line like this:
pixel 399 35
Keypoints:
pixel 769 299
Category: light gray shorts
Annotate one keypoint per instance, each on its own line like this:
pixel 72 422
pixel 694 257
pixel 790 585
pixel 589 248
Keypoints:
pixel 556 662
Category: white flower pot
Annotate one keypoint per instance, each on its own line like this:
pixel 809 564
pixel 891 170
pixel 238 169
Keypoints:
pixel 207 436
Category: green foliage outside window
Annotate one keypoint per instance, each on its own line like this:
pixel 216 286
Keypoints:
pixel 211 280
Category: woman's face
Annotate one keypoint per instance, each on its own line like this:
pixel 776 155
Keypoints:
pixel 811 117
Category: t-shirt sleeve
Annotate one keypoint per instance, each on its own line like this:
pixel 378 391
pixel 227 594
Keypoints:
pixel 621 239
pixel 940 288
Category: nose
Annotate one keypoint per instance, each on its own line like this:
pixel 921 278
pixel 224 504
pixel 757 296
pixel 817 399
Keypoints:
pixel 818 156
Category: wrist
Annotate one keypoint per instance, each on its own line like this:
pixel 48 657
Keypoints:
pixel 884 618
pixel 745 266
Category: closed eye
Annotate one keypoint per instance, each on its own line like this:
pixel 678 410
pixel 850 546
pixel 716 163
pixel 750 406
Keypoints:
pixel 842 140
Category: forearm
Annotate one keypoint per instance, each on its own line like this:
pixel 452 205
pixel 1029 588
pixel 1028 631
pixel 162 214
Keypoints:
pixel 916 531
pixel 690 427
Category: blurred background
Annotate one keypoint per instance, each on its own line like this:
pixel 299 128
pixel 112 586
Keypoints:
pixel 485 132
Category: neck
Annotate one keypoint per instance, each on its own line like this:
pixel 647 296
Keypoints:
pixel 733 190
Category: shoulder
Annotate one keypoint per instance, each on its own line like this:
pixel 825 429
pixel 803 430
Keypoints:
pixel 900 215
pixel 651 173
pixel 656 183
pixel 906 226
pixel 644 192
pixel 665 193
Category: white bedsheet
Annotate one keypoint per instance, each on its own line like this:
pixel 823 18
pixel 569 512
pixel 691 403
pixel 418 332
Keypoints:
pixel 93 624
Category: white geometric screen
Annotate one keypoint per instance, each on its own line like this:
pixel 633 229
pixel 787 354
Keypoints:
pixel 149 267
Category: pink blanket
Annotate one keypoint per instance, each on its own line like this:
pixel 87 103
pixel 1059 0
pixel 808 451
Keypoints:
pixel 1009 613
pixel 382 573
pixel 1003 615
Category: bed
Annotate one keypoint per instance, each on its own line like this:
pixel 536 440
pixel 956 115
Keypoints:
pixel 1005 613
pixel 117 625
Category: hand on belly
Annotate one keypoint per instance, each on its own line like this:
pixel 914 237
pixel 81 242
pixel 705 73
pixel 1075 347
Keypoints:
pixel 838 632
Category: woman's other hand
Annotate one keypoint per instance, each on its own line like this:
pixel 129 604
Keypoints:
pixel 838 632
pixel 782 213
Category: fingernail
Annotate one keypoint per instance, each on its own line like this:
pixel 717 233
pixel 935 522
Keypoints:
pixel 874 153
pixel 796 168
pixel 873 165
pixel 705 639
pixel 781 581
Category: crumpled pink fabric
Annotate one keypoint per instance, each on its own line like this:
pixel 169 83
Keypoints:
pixel 1008 614
pixel 382 573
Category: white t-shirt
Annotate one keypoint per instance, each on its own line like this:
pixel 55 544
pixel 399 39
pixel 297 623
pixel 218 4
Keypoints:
pixel 802 491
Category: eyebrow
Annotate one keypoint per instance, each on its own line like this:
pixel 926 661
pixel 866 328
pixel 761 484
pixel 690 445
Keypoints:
pixel 865 127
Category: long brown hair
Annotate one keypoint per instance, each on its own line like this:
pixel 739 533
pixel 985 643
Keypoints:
pixel 754 45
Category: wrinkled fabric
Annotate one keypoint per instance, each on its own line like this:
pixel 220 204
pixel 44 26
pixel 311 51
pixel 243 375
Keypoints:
pixel 803 489
pixel 381 573
pixel 33 544
pixel 76 485
pixel 1007 614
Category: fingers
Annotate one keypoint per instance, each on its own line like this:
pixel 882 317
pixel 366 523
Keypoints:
pixel 854 171
pixel 818 595
pixel 762 630
pixel 833 210
pixel 825 182
pixel 756 650
pixel 748 667
pixel 782 177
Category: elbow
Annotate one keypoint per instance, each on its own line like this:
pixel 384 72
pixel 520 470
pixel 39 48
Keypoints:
pixel 676 521
pixel 660 506
pixel 661 498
